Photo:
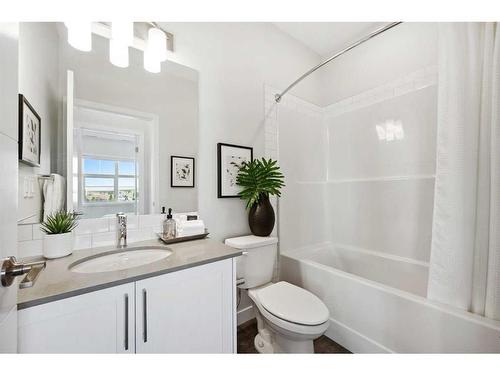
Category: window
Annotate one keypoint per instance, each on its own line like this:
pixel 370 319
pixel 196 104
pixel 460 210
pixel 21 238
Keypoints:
pixel 109 166
pixel 108 181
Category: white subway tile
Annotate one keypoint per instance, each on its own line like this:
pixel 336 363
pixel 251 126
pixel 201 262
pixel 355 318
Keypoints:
pixel 271 126
pixel 103 239
pixel 417 80
pixel 132 222
pixel 88 226
pixel 271 137
pixel 82 242
pixel 25 232
pixel 273 154
pixel 147 221
pixel 29 248
pixel 37 232
pixel 143 234
pixel 271 145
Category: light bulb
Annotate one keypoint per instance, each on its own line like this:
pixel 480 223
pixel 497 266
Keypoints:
pixel 118 53
pixel 157 43
pixel 151 63
pixel 80 35
pixel 123 32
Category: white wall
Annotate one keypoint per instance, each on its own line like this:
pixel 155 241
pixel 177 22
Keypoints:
pixel 234 61
pixel 39 83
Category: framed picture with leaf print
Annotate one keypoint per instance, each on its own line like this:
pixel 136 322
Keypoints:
pixel 182 171
pixel 229 160
pixel 29 133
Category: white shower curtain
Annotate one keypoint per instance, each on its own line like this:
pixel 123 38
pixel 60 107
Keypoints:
pixel 465 251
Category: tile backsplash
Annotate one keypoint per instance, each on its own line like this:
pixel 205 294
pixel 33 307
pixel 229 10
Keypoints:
pixel 93 233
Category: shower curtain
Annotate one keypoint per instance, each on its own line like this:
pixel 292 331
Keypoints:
pixel 465 249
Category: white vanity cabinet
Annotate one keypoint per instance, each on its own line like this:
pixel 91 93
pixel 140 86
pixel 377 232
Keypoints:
pixel 96 322
pixel 189 311
pixel 186 311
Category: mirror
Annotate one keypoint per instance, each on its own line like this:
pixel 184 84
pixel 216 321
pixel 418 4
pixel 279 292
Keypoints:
pixel 124 139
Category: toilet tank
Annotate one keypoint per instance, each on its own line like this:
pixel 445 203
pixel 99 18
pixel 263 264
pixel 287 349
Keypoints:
pixel 256 265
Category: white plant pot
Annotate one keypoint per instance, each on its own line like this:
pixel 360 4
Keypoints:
pixel 57 245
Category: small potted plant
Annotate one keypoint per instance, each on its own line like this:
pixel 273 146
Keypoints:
pixel 260 179
pixel 58 229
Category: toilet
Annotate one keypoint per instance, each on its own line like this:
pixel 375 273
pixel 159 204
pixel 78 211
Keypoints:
pixel 289 318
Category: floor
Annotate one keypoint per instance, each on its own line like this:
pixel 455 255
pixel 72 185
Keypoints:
pixel 248 330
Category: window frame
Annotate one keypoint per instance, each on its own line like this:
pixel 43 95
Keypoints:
pixel 116 178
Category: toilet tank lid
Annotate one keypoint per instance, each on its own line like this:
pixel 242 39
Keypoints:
pixel 248 242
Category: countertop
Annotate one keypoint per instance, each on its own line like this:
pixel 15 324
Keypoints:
pixel 57 282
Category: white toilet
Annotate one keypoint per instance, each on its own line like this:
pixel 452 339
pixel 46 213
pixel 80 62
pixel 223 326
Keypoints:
pixel 289 318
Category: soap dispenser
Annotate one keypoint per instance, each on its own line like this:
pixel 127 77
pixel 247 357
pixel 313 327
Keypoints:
pixel 169 226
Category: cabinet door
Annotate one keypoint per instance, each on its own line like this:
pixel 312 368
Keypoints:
pixel 188 311
pixel 97 322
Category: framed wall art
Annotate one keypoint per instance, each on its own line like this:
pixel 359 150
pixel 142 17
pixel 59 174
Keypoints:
pixel 29 133
pixel 181 171
pixel 229 159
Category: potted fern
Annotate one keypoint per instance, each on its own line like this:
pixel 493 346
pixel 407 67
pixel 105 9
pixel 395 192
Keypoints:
pixel 260 179
pixel 58 228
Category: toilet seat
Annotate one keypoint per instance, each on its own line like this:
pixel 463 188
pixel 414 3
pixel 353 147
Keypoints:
pixel 294 304
pixel 291 308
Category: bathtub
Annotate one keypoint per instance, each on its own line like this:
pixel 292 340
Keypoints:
pixel 378 303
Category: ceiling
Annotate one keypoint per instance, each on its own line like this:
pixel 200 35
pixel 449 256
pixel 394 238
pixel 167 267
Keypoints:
pixel 325 38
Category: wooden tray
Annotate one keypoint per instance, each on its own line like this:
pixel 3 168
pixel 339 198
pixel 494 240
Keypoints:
pixel 182 239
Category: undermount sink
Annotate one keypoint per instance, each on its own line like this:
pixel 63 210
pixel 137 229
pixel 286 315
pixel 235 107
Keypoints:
pixel 120 259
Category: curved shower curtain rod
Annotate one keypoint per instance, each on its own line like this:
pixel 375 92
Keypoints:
pixel 278 97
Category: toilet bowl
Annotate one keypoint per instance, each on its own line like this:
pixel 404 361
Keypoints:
pixel 289 318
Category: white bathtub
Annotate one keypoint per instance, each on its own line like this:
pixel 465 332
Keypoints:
pixel 377 304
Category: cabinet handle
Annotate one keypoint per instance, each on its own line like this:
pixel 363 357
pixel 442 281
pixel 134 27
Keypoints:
pixel 144 315
pixel 126 322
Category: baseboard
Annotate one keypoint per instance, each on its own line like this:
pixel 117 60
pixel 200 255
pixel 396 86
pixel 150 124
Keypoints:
pixel 352 340
pixel 245 314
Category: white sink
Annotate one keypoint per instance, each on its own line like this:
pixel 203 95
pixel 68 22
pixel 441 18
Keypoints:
pixel 120 260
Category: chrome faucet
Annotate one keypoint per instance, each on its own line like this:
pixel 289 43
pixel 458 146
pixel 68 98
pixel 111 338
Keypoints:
pixel 121 234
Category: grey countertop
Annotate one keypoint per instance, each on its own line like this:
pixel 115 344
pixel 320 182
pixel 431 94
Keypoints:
pixel 56 281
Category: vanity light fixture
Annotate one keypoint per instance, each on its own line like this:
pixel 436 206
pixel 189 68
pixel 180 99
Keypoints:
pixel 118 53
pixel 122 37
pixel 156 50
pixel 151 63
pixel 147 36
pixel 123 32
pixel 157 43
pixel 80 35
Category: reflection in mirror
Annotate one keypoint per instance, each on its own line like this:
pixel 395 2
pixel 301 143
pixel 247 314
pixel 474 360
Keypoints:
pixel 109 131
pixel 115 160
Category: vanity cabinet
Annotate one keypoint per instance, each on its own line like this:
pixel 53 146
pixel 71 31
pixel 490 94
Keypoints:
pixel 187 311
pixel 96 322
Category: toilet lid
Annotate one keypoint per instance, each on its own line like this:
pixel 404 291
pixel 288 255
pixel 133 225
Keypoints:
pixel 294 304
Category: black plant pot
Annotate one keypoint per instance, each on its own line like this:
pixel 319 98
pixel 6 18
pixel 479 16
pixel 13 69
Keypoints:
pixel 261 217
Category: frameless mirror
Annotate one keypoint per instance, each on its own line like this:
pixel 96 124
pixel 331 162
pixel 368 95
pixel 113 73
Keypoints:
pixel 122 134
